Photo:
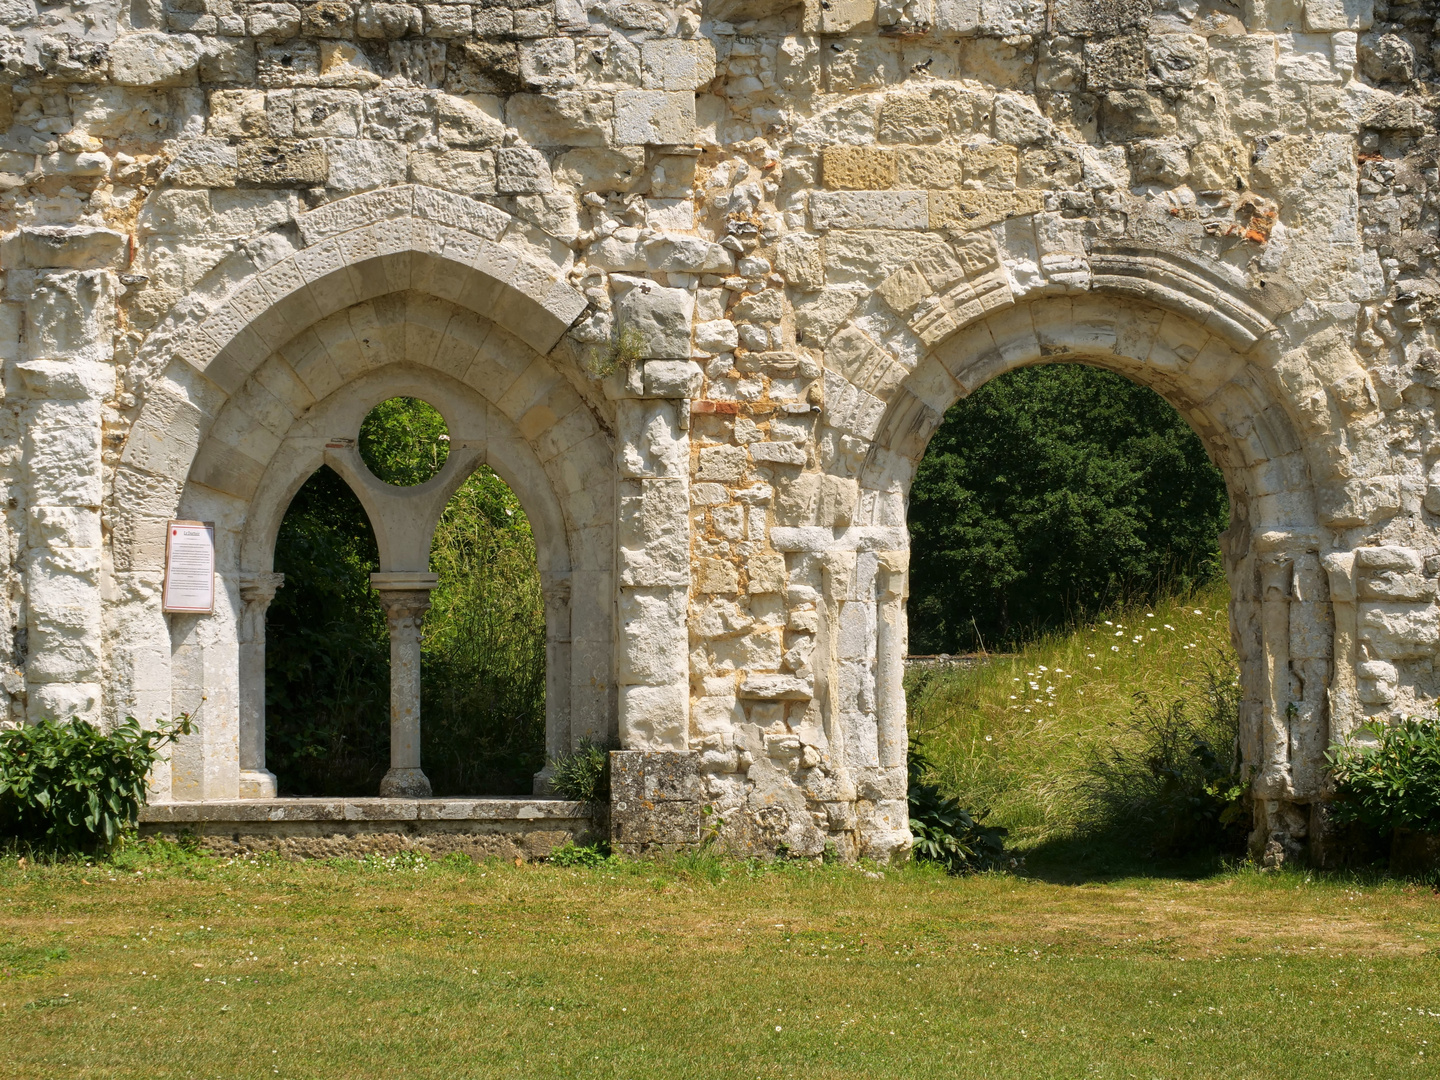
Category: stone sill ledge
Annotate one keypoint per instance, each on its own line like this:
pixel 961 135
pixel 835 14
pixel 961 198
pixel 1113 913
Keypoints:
pixel 364 809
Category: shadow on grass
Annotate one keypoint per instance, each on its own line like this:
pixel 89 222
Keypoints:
pixel 1097 857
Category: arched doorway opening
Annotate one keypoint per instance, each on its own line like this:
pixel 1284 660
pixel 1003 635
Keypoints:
pixel 1072 669
pixel 482 651
pixel 1208 369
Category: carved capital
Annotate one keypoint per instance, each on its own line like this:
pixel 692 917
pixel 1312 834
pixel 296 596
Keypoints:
pixel 256 590
pixel 260 587
pixel 406 596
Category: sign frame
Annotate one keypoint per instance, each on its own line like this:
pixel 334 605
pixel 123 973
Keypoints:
pixel 172 528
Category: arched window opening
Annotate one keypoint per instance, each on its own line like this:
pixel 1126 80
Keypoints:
pixel 329 656
pixel 1051 494
pixel 404 441
pixel 484 648
pixel 1071 661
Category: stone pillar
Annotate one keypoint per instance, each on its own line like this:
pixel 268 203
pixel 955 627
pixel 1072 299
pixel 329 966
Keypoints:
pixel 406 596
pixel 1274 780
pixel 256 591
pixel 890 649
pixel 558 738
pixel 67 375
pixel 653 463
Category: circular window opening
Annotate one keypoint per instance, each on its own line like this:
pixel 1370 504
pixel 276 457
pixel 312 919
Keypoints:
pixel 404 442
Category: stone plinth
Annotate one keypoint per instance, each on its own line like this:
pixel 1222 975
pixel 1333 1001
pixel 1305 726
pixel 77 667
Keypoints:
pixel 656 802
pixel 328 828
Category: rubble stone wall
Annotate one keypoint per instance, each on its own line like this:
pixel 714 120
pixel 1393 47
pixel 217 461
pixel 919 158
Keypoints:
pixel 700 279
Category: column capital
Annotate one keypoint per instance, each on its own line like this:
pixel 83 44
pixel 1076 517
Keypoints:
pixel 390 580
pixel 260 586
pixel 405 594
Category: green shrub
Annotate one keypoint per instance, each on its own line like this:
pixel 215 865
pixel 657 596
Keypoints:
pixel 583 775
pixel 1392 782
pixel 68 787
pixel 943 831
pixel 1170 779
pixel 585 855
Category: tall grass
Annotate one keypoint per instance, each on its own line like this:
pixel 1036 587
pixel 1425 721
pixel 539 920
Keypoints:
pixel 1017 736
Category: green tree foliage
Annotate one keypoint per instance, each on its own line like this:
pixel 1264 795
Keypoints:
pixel 1049 494
pixel 328 652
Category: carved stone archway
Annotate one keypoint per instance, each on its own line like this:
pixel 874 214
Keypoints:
pixel 1189 334
pixel 397 294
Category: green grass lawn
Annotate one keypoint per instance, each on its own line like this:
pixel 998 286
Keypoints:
pixel 166 967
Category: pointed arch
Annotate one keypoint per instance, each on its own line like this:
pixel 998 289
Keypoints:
pixel 272 366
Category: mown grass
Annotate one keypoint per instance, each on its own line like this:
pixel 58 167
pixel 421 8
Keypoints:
pixel 193 968
pixel 1012 736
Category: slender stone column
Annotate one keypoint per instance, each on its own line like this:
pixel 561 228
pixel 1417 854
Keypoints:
pixel 256 590
pixel 1275 574
pixel 406 596
pixel 890 658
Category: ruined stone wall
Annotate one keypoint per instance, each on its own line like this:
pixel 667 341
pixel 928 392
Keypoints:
pixel 743 254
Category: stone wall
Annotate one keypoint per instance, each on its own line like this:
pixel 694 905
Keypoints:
pixel 706 277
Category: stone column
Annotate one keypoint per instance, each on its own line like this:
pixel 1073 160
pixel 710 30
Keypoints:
pixel 406 596
pixel 1275 586
pixel 890 648
pixel 66 376
pixel 558 741
pixel 653 462
pixel 256 591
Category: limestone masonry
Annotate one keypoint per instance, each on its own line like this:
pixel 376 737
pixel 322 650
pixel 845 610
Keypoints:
pixel 699 280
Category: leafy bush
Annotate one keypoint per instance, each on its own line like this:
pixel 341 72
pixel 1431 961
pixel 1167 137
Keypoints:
pixel 943 831
pixel 586 855
pixel 1392 782
pixel 1048 495
pixel 68 787
pixel 583 775
pixel 1171 778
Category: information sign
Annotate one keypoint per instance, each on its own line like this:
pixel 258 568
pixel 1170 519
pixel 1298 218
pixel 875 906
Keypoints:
pixel 190 567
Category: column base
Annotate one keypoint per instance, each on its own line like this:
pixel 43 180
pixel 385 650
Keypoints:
pixel 257 784
pixel 405 784
pixel 540 782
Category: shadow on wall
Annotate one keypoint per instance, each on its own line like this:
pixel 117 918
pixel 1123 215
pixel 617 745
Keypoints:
pixel 328 653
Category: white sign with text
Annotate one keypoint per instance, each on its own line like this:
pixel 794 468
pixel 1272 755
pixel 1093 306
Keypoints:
pixel 190 567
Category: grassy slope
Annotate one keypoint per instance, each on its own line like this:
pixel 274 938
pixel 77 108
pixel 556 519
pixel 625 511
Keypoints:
pixel 997 743
pixel 343 970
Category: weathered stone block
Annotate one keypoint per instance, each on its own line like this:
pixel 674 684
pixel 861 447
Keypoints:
pixel 519 169
pixel 857 168
pixel 468 172
pixel 656 801
pixel 282 163
pixel 654 117
pixel 660 318
pixel 860 209
pixel 154 59
pixel 981 209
